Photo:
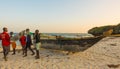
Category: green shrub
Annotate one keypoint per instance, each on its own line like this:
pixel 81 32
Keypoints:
pixel 97 31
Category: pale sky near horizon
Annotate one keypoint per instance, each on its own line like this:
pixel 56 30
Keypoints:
pixel 58 16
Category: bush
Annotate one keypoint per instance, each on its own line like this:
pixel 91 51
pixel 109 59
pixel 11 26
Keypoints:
pixel 97 31
pixel 116 29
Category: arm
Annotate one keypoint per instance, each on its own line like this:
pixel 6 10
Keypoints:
pixel 20 39
pixel 0 36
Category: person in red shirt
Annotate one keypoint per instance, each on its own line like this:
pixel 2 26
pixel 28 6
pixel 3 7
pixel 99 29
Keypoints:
pixel 23 41
pixel 5 42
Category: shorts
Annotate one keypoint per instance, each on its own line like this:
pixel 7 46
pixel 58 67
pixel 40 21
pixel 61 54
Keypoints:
pixel 6 48
pixel 13 45
pixel 38 45
pixel 23 46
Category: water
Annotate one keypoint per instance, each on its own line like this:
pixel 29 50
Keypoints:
pixel 70 35
pixel 67 35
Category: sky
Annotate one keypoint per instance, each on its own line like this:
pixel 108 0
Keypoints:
pixel 58 16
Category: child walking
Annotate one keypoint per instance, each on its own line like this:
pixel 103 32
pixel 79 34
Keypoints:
pixel 28 43
pixel 13 43
pixel 5 42
pixel 23 41
pixel 37 43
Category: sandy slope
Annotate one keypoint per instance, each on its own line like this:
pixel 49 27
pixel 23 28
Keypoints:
pixel 103 55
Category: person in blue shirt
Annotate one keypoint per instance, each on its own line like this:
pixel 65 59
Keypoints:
pixel 28 43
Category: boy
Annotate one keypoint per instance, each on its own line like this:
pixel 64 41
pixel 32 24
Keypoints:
pixel 13 43
pixel 5 42
pixel 37 43
pixel 23 41
pixel 28 42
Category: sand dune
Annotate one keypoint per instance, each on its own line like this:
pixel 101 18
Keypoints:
pixel 103 55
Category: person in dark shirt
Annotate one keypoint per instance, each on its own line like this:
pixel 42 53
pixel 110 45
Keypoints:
pixel 37 43
pixel 28 43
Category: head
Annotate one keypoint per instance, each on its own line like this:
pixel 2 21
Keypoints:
pixel 19 34
pixel 11 33
pixel 23 32
pixel 36 31
pixel 27 31
pixel 5 29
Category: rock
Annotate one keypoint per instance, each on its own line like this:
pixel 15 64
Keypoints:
pixel 113 66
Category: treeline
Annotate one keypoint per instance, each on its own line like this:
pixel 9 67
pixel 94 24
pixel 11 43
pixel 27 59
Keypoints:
pixel 97 31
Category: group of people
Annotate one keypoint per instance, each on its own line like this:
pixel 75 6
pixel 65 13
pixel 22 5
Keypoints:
pixel 25 40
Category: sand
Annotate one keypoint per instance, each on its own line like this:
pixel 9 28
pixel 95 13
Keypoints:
pixel 103 55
